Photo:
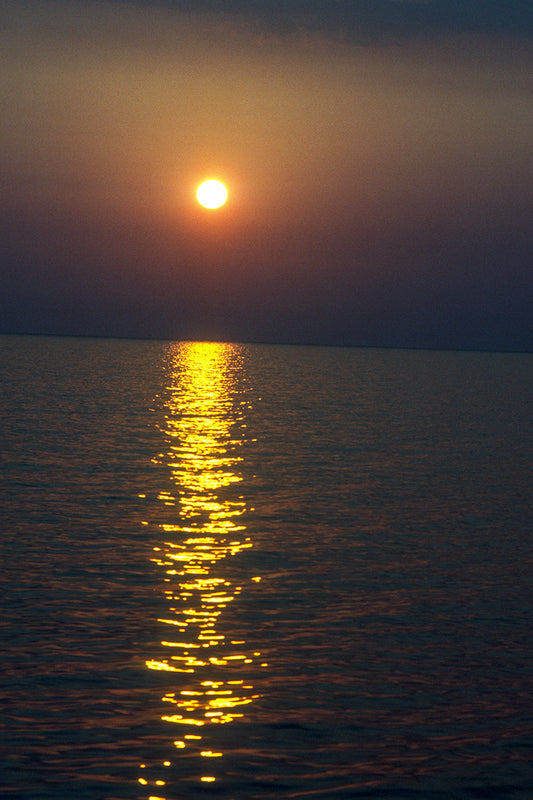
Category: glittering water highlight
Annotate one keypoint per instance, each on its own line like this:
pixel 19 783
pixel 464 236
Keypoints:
pixel 203 429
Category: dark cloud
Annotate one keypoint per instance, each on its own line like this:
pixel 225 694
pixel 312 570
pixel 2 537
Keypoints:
pixel 368 21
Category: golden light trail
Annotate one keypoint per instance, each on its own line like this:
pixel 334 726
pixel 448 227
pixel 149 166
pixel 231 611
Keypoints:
pixel 204 430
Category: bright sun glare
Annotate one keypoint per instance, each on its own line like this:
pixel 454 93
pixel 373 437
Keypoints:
pixel 212 194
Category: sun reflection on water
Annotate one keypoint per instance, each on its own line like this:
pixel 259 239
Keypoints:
pixel 204 429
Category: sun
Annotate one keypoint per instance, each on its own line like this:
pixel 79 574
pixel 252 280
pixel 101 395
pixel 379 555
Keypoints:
pixel 212 194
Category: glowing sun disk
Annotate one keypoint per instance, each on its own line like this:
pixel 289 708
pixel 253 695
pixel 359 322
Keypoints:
pixel 212 194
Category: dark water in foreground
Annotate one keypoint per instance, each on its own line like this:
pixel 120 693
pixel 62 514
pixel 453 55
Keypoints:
pixel 265 572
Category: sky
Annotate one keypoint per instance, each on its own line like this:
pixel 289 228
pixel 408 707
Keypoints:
pixel 378 158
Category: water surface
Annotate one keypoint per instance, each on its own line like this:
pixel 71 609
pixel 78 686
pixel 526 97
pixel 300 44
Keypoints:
pixel 241 571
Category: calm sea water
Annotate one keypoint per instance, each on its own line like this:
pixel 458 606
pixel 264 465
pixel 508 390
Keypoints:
pixel 243 572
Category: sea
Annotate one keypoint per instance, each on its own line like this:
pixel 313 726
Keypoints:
pixel 245 571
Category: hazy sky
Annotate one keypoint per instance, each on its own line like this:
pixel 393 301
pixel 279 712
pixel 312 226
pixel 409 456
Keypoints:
pixel 378 157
